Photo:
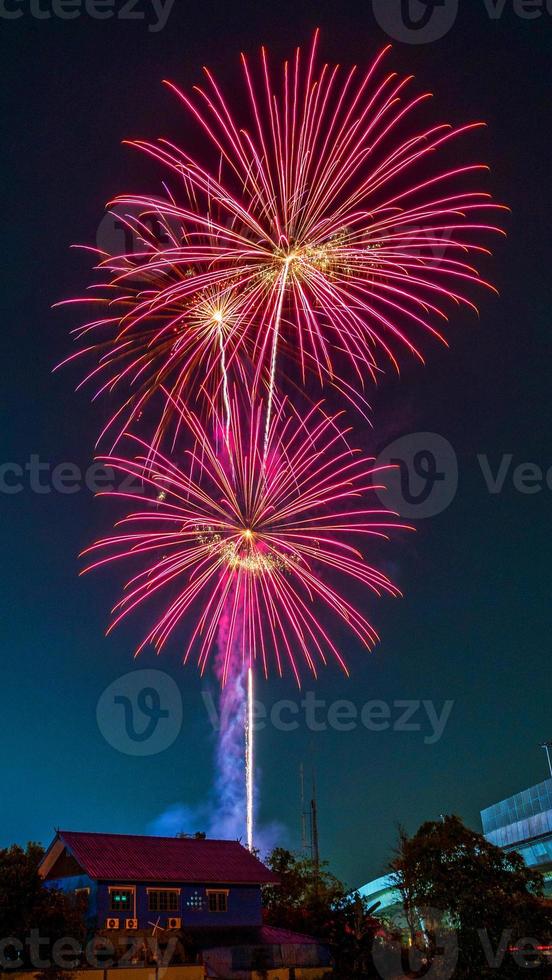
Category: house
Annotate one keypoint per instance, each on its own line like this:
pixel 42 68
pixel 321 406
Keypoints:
pixel 174 882
pixel 203 894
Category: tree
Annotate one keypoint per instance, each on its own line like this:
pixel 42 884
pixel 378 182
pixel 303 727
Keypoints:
pixel 306 893
pixel 28 908
pixel 452 878
pixel 353 930
pixel 311 900
pixel 20 887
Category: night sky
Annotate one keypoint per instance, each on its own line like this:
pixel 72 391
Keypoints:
pixel 474 626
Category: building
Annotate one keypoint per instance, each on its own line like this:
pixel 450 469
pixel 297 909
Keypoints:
pixel 204 894
pixel 523 823
pixel 132 880
pixel 384 892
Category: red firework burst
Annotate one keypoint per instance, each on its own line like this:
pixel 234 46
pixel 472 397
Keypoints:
pixel 320 219
pixel 260 538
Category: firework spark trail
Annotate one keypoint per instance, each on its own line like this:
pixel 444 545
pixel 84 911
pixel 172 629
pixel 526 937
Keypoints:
pixel 250 761
pixel 274 354
pixel 224 373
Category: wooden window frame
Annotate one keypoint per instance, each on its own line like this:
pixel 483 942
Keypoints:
pixel 173 891
pixel 125 913
pixel 217 892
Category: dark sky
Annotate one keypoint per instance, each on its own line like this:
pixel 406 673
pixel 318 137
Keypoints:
pixel 474 626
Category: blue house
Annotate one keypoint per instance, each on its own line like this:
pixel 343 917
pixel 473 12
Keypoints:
pixel 137 883
pixel 206 894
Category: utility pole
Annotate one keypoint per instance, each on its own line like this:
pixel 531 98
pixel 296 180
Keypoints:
pixel 303 810
pixel 315 852
pixel 547 746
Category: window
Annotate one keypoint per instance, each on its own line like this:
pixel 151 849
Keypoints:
pixel 218 901
pixel 122 900
pixel 163 900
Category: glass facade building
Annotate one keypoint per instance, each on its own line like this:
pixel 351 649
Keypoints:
pixel 523 823
pixel 385 893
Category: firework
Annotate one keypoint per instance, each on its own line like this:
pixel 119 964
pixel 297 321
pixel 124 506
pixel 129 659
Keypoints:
pixel 188 345
pixel 319 222
pixel 261 540
pixel 319 233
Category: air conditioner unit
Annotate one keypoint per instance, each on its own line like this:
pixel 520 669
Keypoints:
pixel 131 923
pixel 174 923
pixel 111 923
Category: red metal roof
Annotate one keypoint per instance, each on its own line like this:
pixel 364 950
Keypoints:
pixel 125 857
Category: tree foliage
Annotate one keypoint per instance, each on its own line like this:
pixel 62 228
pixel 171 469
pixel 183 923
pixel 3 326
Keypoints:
pixel 306 894
pixel 452 878
pixel 27 907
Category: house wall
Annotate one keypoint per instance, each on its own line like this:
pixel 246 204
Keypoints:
pixel 308 961
pixel 184 972
pixel 244 905
pixel 244 902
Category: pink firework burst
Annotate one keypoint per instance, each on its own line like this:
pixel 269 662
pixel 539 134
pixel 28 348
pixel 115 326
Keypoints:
pixel 320 215
pixel 260 539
